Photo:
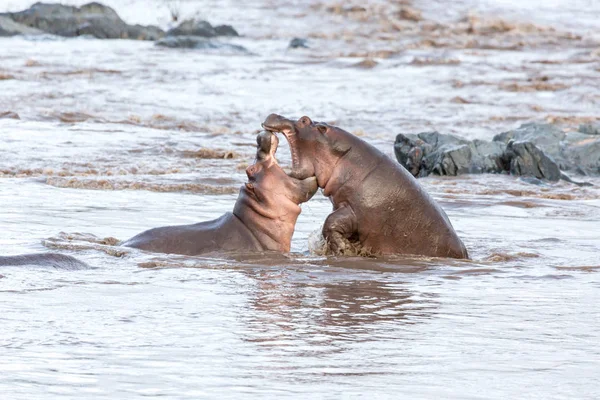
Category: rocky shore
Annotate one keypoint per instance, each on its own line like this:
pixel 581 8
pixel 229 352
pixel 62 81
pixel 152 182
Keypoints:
pixel 102 22
pixel 93 19
pixel 542 151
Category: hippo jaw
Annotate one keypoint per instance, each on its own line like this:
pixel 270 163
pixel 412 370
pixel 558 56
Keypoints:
pixel 266 166
pixel 279 124
pixel 269 203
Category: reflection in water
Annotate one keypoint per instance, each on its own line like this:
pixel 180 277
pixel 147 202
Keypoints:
pixel 331 307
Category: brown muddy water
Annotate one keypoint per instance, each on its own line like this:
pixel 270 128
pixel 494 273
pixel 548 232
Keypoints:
pixel 115 137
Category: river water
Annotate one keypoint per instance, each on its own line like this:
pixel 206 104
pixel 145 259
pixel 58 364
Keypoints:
pixel 116 137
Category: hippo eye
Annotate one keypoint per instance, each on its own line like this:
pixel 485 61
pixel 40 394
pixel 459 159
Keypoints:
pixel 322 128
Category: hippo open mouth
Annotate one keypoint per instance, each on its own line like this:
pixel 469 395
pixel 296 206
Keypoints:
pixel 267 146
pixel 279 124
pixel 267 179
pixel 267 143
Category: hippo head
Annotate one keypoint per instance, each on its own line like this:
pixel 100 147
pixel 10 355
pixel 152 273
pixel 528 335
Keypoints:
pixel 315 146
pixel 269 189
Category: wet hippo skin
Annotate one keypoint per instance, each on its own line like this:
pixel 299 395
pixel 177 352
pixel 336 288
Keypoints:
pixel 263 218
pixel 376 202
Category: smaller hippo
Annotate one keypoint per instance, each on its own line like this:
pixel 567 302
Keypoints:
pixel 263 218
pixel 54 260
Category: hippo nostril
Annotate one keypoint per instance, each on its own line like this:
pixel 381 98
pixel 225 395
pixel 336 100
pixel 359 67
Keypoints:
pixel 253 170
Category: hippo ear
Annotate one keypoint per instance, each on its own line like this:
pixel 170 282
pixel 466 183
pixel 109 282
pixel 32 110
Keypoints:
pixel 305 121
pixel 322 128
pixel 341 146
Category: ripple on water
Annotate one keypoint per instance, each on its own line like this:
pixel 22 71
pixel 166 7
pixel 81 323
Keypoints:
pixel 583 268
pixel 109 184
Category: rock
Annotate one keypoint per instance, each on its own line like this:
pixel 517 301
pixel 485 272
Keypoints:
pixel 452 161
pixel 298 43
pixel 408 154
pixel 590 129
pixel 547 137
pixel 585 155
pixel 516 152
pixel 432 152
pixel 487 155
pixel 526 159
pixel 8 27
pixel 226 30
pixel 92 19
pixel 450 155
pixel 438 140
pixel 192 27
pixel 198 43
pixel 141 32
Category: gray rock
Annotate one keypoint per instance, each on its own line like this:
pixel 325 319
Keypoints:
pixel 435 153
pixel 408 153
pixel 198 43
pixel 226 30
pixel 451 160
pixel 590 129
pixel 92 19
pixel 487 156
pixel 585 155
pixel 436 139
pixel 547 137
pixel 192 27
pixel 8 27
pixel 297 43
pixel 142 32
pixel 442 154
pixel 432 152
pixel 526 159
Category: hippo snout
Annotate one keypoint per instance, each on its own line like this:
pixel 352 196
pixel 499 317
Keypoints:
pixel 278 123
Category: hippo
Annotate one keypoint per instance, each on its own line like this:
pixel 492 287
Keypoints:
pixel 378 206
pixel 263 218
pixel 54 260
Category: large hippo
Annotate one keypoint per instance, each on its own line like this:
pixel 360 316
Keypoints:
pixel 263 218
pixel 377 204
pixel 54 260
